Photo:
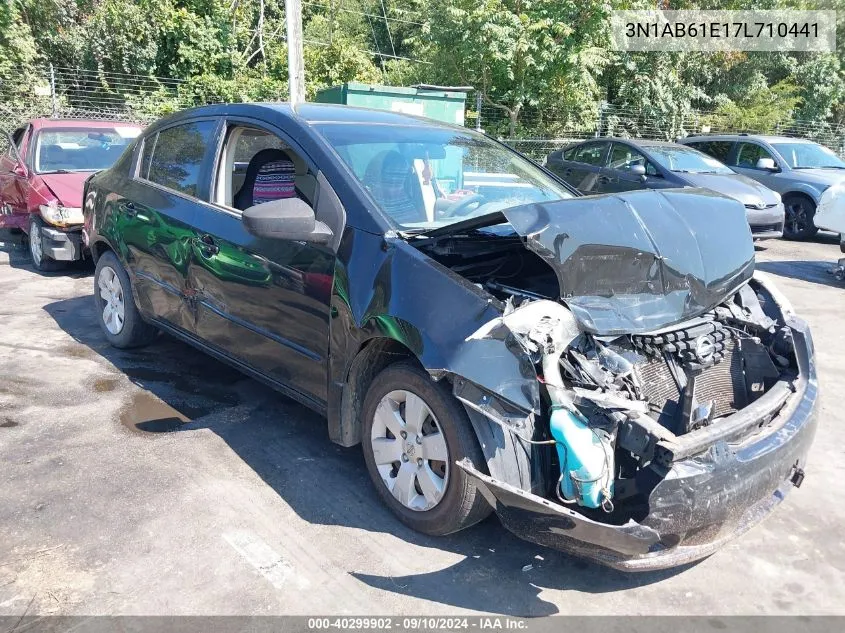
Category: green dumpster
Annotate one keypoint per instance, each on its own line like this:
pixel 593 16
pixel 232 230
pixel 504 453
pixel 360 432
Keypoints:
pixel 441 104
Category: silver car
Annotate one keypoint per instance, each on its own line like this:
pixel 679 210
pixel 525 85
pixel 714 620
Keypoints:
pixel 613 165
pixel 798 169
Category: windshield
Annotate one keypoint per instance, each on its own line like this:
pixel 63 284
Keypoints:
pixel 808 155
pixel 429 177
pixel 81 149
pixel 686 159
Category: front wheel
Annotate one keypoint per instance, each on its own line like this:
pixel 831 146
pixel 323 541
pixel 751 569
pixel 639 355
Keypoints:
pixel 40 261
pixel 414 432
pixel 798 223
pixel 119 319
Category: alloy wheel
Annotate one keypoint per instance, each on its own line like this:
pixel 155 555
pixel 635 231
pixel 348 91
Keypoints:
pixel 35 248
pixel 796 217
pixel 111 294
pixel 410 451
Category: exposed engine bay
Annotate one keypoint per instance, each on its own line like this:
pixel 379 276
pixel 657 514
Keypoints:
pixel 620 409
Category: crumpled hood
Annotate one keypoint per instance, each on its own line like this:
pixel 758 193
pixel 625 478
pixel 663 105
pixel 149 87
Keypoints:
pixel 66 187
pixel 640 261
pixel 737 186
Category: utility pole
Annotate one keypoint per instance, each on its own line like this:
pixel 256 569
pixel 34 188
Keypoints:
pixel 296 65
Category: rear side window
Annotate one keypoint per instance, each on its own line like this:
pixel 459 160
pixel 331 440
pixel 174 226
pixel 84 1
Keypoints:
pixel 717 149
pixel 173 158
pixel 591 154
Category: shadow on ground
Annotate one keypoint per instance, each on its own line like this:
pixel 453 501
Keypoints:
pixel 817 272
pixel 288 447
pixel 16 245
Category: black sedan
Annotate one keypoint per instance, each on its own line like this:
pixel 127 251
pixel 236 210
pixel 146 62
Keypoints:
pixel 611 165
pixel 607 373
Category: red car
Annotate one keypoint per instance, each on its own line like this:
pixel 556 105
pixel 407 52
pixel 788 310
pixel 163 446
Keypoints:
pixel 43 166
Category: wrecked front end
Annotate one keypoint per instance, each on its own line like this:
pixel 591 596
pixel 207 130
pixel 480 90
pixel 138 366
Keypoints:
pixel 673 403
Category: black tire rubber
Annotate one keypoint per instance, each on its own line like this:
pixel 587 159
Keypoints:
pixel 47 264
pixel 462 504
pixel 808 229
pixel 136 332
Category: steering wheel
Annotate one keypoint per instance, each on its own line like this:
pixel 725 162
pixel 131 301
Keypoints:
pixel 461 208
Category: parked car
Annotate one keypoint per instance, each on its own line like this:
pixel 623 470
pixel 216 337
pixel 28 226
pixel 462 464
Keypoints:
pixel 612 165
pixel 43 165
pixel 830 215
pixel 608 373
pixel 798 169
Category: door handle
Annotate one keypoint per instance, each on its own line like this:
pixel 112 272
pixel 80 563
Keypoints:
pixel 207 246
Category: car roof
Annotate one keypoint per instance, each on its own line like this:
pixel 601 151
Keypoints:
pixel 45 123
pixel 636 142
pixel 747 137
pixel 316 113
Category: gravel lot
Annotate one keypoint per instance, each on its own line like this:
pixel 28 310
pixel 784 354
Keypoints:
pixel 249 509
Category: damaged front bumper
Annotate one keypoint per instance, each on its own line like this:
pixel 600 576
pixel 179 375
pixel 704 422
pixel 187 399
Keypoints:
pixel 62 244
pixel 704 500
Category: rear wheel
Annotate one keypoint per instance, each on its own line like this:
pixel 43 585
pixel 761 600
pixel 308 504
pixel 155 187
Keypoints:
pixel 119 319
pixel 798 223
pixel 414 432
pixel 40 261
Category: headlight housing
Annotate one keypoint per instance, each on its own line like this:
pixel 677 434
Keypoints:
pixel 59 215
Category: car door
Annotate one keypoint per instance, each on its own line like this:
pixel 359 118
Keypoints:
pixel 745 159
pixel 583 168
pixel 154 214
pixel 264 302
pixel 618 177
pixel 14 182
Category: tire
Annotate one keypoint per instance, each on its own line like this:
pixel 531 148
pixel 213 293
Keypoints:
pixel 40 261
pixel 112 288
pixel 461 503
pixel 798 223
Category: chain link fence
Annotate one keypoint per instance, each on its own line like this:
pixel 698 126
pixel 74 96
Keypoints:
pixel 89 94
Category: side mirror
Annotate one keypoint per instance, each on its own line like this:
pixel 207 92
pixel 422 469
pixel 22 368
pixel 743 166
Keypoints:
pixel 639 171
pixel 20 170
pixel 766 164
pixel 287 219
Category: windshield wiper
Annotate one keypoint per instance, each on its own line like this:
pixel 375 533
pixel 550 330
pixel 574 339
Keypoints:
pixel 470 224
pixel 57 171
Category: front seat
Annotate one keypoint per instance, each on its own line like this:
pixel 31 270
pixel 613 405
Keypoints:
pixel 270 175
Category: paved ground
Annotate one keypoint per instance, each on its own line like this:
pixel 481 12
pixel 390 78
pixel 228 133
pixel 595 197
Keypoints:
pixel 249 509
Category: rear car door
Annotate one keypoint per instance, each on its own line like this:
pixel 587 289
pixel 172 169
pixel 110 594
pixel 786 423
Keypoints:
pixel 264 302
pixel 583 167
pixel 154 216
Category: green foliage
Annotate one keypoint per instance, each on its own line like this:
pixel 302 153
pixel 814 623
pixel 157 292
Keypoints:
pixel 763 110
pixel 542 66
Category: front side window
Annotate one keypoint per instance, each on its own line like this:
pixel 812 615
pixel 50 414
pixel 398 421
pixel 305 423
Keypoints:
pixel 680 158
pixel 749 153
pixel 174 157
pixel 624 157
pixel 590 154
pixel 425 177
pixel 60 150
pixel 808 156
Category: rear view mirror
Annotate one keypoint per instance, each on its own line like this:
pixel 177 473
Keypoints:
pixel 767 164
pixel 287 219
